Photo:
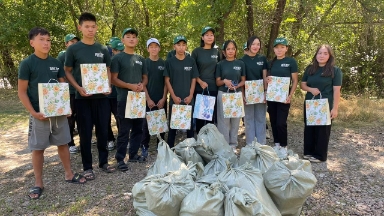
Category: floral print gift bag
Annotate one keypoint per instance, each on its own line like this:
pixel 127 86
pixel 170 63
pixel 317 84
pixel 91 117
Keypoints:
pixel 254 91
pixel 317 112
pixel 278 89
pixel 135 107
pixel 54 99
pixel 233 106
pixel 94 78
pixel 181 116
pixel 204 106
pixel 157 122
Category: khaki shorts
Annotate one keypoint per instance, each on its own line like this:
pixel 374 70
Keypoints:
pixel 42 134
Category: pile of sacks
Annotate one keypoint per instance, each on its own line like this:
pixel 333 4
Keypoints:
pixel 204 177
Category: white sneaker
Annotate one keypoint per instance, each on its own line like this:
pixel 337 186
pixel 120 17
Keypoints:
pixel 73 149
pixel 111 145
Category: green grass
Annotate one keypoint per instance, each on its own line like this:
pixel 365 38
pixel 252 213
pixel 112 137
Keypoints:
pixel 12 112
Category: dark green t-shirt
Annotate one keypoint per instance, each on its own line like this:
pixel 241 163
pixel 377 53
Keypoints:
pixel 37 70
pixel 80 53
pixel 254 66
pixel 231 70
pixel 324 84
pixel 130 69
pixel 172 53
pixel 206 60
pixel 181 73
pixel 156 83
pixel 61 58
pixel 283 67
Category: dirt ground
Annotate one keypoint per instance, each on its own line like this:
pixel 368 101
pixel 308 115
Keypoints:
pixel 349 183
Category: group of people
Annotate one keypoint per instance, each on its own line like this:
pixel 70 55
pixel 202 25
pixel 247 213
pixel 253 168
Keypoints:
pixel 208 70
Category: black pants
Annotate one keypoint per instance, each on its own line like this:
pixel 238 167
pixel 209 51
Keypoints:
pixel 129 130
pixel 93 112
pixel 278 115
pixel 72 119
pixel 172 132
pixel 201 123
pixel 113 105
pixel 146 137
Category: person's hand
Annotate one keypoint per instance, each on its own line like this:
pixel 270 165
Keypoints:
pixel 334 113
pixel 150 103
pixel 176 100
pixel 269 79
pixel 244 100
pixel 161 103
pixel 82 92
pixel 315 91
pixel 228 83
pixel 109 91
pixel 288 99
pixel 203 85
pixel 40 116
pixel 139 87
pixel 188 99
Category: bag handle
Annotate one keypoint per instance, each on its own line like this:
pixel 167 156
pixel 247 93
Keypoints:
pixel 150 109
pixel 53 80
pixel 207 91
pixel 321 97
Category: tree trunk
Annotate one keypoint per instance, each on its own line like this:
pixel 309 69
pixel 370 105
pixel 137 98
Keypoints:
pixel 251 30
pixel 301 13
pixel 115 18
pixel 277 18
pixel 74 17
pixel 10 70
pixel 219 36
pixel 146 13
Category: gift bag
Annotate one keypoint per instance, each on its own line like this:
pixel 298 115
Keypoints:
pixel 181 117
pixel 317 111
pixel 254 91
pixel 233 106
pixel 278 89
pixel 54 99
pixel 94 78
pixel 157 122
pixel 135 107
pixel 204 106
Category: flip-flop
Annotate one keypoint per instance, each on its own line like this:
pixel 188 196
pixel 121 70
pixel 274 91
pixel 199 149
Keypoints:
pixel 89 175
pixel 35 190
pixel 107 168
pixel 76 179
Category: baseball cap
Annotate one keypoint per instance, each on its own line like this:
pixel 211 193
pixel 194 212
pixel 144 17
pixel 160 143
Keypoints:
pixel 118 45
pixel 111 40
pixel 282 41
pixel 179 38
pixel 152 40
pixel 245 46
pixel 69 37
pixel 129 30
pixel 207 28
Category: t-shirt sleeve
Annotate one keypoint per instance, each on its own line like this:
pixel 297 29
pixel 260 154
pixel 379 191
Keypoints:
pixel 218 70
pixel 338 77
pixel 242 68
pixel 144 68
pixel 265 63
pixel 218 55
pixel 107 57
pixel 24 71
pixel 294 67
pixel 69 58
pixel 61 58
pixel 115 67
pixel 194 55
pixel 166 72
pixel 195 72
pixel 61 72
pixel 305 75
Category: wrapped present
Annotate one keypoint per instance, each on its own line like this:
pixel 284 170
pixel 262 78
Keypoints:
pixel 135 107
pixel 181 117
pixel 94 78
pixel 254 91
pixel 278 89
pixel 204 106
pixel 317 111
pixel 54 99
pixel 157 122
pixel 233 106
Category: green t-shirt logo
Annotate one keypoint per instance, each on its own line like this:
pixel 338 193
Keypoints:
pixel 54 69
pixel 285 65
pixel 139 62
pixel 160 68
pixel 187 68
pixel 237 68
pixel 100 55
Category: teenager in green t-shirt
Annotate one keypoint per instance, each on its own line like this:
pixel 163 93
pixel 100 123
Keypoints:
pixel 321 78
pixel 281 66
pixel 206 58
pixel 129 73
pixel 230 76
pixel 255 114
pixel 43 132
pixel 180 78
pixel 91 109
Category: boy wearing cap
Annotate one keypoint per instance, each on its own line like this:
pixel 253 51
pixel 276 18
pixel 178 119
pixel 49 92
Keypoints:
pixel 180 78
pixel 91 109
pixel 41 68
pixel 69 40
pixel 156 91
pixel 129 73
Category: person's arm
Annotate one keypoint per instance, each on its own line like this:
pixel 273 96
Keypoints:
pixel 22 87
pixel 163 100
pixel 295 81
pixel 188 99
pixel 72 81
pixel 175 99
pixel 150 102
pixel 336 100
pixel 121 84
pixel 305 87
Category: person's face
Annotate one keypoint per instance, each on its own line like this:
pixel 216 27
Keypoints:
pixel 88 29
pixel 130 40
pixel 230 51
pixel 322 56
pixel 71 42
pixel 255 46
pixel 208 37
pixel 153 49
pixel 180 47
pixel 41 43
pixel 280 50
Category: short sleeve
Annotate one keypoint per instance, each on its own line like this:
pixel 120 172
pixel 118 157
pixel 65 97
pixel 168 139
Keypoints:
pixel 294 67
pixel 115 66
pixel 305 75
pixel 218 70
pixel 144 68
pixel 218 55
pixel 242 69
pixel 69 57
pixel 265 63
pixel 167 68
pixel 338 77
pixel 194 55
pixel 195 72
pixel 24 71
pixel 107 56
pixel 61 72
pixel 61 58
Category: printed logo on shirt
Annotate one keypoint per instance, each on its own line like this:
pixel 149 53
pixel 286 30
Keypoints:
pixel 54 69
pixel 285 65
pixel 237 68
pixel 160 67
pixel 214 56
pixel 187 68
pixel 139 62
pixel 100 55
pixel 260 63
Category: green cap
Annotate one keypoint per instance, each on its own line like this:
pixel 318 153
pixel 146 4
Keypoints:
pixel 245 46
pixel 129 30
pixel 282 41
pixel 179 38
pixel 69 37
pixel 111 40
pixel 118 45
pixel 207 28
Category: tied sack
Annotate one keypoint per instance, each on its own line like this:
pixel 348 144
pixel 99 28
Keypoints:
pixel 187 151
pixel 157 122
pixel 233 106
pixel 216 165
pixel 254 91
pixel 135 107
pixel 181 117
pixel 138 192
pixel 278 89
pixel 241 202
pixel 94 78
pixel 54 99
pixel 204 106
pixel 317 112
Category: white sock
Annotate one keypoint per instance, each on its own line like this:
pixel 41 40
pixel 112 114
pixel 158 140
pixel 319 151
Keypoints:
pixel 277 144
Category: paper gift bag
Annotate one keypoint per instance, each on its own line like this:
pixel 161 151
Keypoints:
pixel 254 91
pixel 278 89
pixel 94 78
pixel 233 106
pixel 157 122
pixel 204 107
pixel 317 112
pixel 54 99
pixel 135 107
pixel 181 117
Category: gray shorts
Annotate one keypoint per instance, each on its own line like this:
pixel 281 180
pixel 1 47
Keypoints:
pixel 43 134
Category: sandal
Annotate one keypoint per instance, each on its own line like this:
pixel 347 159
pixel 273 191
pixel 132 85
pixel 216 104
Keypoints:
pixel 137 158
pixel 107 168
pixel 89 175
pixel 76 179
pixel 122 166
pixel 35 190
